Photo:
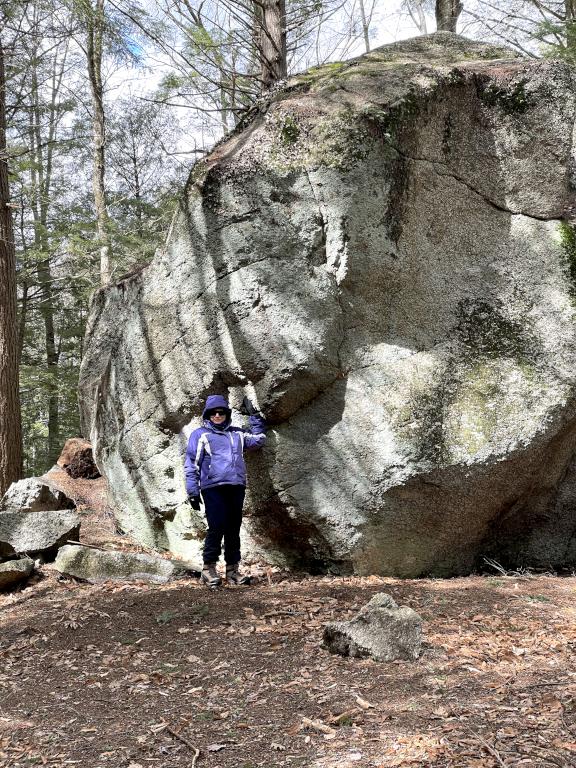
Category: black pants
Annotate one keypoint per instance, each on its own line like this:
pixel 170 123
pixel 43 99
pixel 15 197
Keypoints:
pixel 223 505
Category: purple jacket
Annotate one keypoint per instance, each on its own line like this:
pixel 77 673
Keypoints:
pixel 214 455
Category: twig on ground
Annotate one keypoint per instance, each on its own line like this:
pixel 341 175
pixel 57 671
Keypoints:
pixel 493 751
pixel 543 685
pixel 185 741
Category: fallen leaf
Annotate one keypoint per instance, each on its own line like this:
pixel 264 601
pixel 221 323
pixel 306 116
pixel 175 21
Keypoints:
pixel 215 747
pixel 318 725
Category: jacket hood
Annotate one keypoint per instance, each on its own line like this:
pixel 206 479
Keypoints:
pixel 217 401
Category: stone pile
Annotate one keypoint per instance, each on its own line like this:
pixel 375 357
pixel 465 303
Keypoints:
pixel 36 519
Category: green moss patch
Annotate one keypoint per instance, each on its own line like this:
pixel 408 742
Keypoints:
pixel 511 100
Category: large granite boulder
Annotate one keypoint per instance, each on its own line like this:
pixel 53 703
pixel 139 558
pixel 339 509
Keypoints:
pixel 97 565
pixel 32 495
pixel 37 532
pixel 383 257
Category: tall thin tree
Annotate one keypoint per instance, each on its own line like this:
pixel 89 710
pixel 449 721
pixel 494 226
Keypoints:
pixel 95 26
pixel 10 425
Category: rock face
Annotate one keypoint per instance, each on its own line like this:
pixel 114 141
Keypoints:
pixel 37 532
pixel 97 565
pixel 32 495
pixel 381 631
pixel 382 258
pixel 14 571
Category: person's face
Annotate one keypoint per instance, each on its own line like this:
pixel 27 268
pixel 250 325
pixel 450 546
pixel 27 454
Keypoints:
pixel 218 416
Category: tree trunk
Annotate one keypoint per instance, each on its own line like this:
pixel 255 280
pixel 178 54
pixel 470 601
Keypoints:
pixel 570 16
pixel 447 12
pixel 270 18
pixel 95 33
pixel 10 426
pixel 364 26
pixel 41 177
pixel 417 15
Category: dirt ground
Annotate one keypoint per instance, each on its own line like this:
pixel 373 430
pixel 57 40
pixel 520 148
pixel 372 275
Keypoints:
pixel 133 675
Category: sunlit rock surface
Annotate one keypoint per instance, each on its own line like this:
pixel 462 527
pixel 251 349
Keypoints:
pixel 382 255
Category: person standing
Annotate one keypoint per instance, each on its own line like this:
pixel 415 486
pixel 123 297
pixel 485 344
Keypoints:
pixel 215 471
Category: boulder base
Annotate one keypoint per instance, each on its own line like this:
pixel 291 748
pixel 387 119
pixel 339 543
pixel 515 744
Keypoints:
pixel 381 630
pixel 37 532
pixel 96 565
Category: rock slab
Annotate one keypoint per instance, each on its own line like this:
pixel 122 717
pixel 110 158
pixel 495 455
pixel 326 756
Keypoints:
pixel 33 495
pixel 14 571
pixel 384 259
pixel 37 532
pixel 381 630
pixel 96 565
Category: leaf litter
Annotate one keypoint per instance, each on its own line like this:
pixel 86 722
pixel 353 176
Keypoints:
pixel 177 676
pixel 103 676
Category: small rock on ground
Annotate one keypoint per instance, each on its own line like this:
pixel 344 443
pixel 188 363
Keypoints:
pixel 14 571
pixel 381 630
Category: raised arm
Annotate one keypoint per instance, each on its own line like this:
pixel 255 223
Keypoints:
pixel 255 434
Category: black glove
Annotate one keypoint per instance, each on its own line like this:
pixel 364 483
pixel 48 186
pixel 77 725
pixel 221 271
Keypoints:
pixel 247 407
pixel 194 502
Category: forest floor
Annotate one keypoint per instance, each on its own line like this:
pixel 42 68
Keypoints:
pixel 134 675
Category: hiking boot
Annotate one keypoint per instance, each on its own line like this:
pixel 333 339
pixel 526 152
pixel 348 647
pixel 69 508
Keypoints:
pixel 210 576
pixel 233 575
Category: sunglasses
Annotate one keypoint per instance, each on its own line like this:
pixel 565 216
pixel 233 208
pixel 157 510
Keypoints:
pixel 218 412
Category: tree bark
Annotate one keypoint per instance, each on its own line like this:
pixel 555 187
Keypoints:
pixel 95 34
pixel 10 426
pixel 447 12
pixel 570 16
pixel 270 19
pixel 41 178
pixel 365 30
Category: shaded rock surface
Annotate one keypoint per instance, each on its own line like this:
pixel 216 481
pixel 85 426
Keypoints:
pixel 37 532
pixel 381 630
pixel 381 258
pixel 14 571
pixel 97 565
pixel 32 495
